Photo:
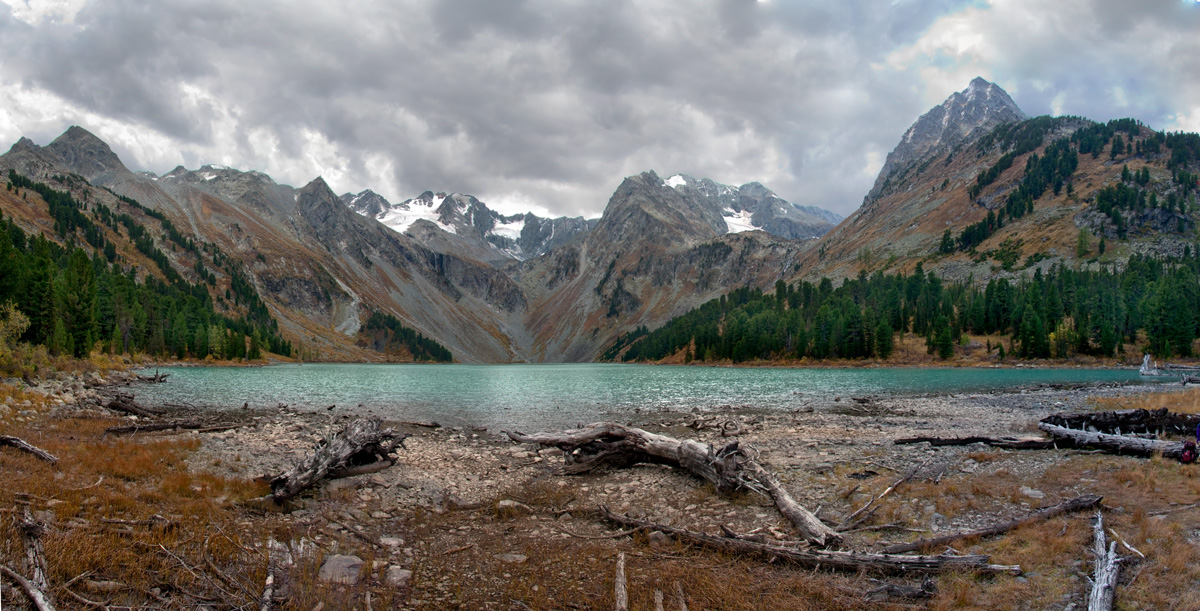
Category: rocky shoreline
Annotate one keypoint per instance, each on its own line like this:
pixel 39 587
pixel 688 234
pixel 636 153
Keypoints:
pixel 468 507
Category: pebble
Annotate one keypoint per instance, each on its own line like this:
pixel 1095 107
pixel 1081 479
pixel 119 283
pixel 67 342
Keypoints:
pixel 512 558
pixel 398 577
pixel 1032 493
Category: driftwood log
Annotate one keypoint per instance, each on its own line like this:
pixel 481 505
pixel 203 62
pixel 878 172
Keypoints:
pixel 809 558
pixel 729 468
pixel 37 586
pixel 1104 581
pixel 362 442
pixel 1117 444
pixel 24 446
pixel 187 425
pixel 124 403
pixel 1078 503
pixel 1003 442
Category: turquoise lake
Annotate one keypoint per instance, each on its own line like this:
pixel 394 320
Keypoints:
pixel 543 396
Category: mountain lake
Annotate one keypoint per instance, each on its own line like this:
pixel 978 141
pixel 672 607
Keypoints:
pixel 544 396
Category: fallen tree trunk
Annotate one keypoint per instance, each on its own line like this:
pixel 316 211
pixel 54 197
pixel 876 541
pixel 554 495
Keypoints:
pixel 1006 443
pixel 1104 581
pixel 730 469
pixel 1076 504
pixel 844 561
pixel 1119 444
pixel 203 427
pixel 1128 421
pixel 362 442
pixel 21 444
pixel 124 403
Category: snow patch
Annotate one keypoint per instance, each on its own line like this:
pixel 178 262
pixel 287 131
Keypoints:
pixel 208 176
pixel 401 217
pixel 737 221
pixel 511 230
pixel 675 181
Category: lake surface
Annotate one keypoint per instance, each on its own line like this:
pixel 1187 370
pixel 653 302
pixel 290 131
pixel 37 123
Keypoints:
pixel 533 397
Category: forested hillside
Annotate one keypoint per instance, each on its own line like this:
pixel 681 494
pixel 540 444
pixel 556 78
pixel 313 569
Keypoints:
pixel 80 294
pixel 1152 303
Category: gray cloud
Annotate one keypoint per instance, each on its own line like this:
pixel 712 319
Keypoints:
pixel 549 103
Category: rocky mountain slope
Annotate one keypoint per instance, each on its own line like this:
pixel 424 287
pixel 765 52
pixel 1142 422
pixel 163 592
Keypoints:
pixel 1041 181
pixel 492 288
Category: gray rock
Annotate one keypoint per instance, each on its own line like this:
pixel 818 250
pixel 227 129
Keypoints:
pixel 341 569
pixel 512 558
pixel 511 507
pixel 397 577
pixel 391 541
pixel 1032 493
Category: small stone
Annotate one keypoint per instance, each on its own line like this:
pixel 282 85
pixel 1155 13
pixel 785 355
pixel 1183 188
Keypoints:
pixel 391 541
pixel 397 577
pixel 380 515
pixel 658 538
pixel 508 507
pixel 512 558
pixel 1032 493
pixel 341 569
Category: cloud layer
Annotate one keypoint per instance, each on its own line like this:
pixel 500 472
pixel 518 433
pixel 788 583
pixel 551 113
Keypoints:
pixel 547 104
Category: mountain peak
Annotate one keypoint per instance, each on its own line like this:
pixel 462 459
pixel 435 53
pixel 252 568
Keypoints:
pixel 83 153
pixel 964 116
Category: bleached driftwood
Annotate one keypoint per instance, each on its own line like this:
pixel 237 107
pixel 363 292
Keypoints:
pixel 1107 567
pixel 811 558
pixel 362 442
pixel 1003 442
pixel 620 591
pixel 1118 444
pixel 729 468
pixel 24 446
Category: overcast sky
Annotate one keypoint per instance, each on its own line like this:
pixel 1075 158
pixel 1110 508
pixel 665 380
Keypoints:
pixel 546 105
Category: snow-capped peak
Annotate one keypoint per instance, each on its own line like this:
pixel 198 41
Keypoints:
pixel 675 181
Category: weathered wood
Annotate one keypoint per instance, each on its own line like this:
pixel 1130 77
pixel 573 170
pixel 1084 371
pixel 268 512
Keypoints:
pixel 813 528
pixel 658 600
pixel 374 467
pixel 1128 421
pixel 124 403
pixel 1120 444
pixel 890 590
pixel 680 599
pixel 729 468
pixel 186 425
pixel 40 600
pixel 620 592
pixel 24 446
pixel 1006 443
pixel 1107 568
pixel 866 511
pixel 843 561
pixel 362 441
pixel 1078 503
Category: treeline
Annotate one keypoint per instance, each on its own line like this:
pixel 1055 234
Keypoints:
pixel 76 302
pixel 385 333
pixel 1062 313
pixel 1054 169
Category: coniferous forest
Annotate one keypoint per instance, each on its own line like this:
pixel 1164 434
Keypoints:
pixel 1153 303
pixel 73 302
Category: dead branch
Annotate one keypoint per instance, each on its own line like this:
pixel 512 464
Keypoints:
pixel 123 402
pixel 21 444
pixel 40 600
pixel 679 597
pixel 890 590
pixel 658 600
pixel 187 425
pixel 845 561
pixel 1078 503
pixel 729 469
pixel 361 442
pixel 1004 442
pixel 31 532
pixel 1104 582
pixel 620 593
pixel 374 467
pixel 863 513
